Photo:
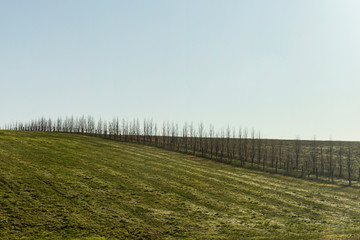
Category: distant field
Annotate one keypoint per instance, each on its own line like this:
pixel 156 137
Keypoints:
pixel 68 186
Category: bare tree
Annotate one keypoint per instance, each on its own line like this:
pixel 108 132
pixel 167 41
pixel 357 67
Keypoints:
pixel 233 144
pixel 280 153
pixel 71 124
pixel 221 144
pixel 276 163
pixel 150 130
pixel 99 127
pixel 105 128
pixel 117 127
pixel 330 156
pixel 124 128
pixel 322 164
pixel 145 131
pixel 264 159
pixel 288 160
pixel 211 139
pixel 340 160
pixel 217 146
pixel 163 134
pixel 76 125
pixel 173 135
pixel 245 145
pixel 168 131
pixel 194 145
pixel 192 137
pixel 201 135
pixel 42 124
pixel 90 124
pixel 59 125
pixel 349 165
pixel 240 145
pixel 314 154
pixel 206 144
pixel 259 148
pixel 185 136
pixel 156 134
pixel 273 153
pixel 111 129
pixel 228 147
pixel 82 124
pixel 297 152
pixel 137 130
pixel 252 147
pixel 49 125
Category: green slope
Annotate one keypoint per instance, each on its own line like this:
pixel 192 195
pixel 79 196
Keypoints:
pixel 67 186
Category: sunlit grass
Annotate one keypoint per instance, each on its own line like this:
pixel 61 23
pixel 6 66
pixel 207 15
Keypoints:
pixel 67 186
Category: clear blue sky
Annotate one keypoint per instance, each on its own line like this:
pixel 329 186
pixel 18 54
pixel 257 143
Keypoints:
pixel 284 67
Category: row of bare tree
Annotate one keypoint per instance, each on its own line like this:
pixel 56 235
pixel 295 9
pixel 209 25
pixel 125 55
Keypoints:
pixel 314 159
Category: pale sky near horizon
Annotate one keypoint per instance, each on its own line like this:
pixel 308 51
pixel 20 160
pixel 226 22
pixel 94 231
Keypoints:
pixel 286 68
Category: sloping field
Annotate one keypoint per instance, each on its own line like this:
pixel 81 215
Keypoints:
pixel 67 186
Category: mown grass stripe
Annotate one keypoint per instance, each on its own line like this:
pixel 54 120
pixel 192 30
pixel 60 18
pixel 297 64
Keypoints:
pixel 72 186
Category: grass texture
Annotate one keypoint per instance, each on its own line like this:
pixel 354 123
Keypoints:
pixel 68 186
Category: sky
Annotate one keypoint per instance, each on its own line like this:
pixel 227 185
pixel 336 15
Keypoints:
pixel 285 68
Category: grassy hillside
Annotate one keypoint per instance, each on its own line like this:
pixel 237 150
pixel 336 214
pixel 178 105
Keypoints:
pixel 62 186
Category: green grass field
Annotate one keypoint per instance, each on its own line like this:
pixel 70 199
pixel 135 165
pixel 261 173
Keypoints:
pixel 68 186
